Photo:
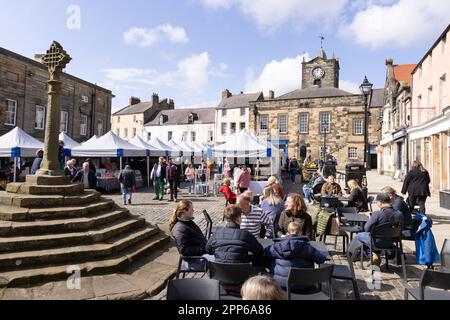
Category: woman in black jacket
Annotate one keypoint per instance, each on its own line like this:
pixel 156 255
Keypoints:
pixel 417 185
pixel 356 198
pixel 189 239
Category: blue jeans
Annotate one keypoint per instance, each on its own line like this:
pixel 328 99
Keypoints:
pixel 307 191
pixel 293 175
pixel 364 237
pixel 191 185
pixel 126 191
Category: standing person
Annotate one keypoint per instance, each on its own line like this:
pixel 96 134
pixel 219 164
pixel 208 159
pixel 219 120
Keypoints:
pixel 277 188
pixel 86 176
pixel 296 211
pixel 10 172
pixel 293 168
pixel 272 205
pixel 356 198
pixel 127 179
pixel 243 179
pixel 37 161
pixel 92 166
pixel 172 177
pixel 417 185
pixel 190 177
pixel 227 169
pixel 203 176
pixel 254 219
pixel 61 154
pixel 70 170
pixel 158 176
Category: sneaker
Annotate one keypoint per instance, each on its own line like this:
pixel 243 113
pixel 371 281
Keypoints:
pixel 157 198
pixel 376 259
pixel 129 201
pixel 161 199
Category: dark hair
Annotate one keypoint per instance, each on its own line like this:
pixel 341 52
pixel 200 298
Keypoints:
pixel 417 165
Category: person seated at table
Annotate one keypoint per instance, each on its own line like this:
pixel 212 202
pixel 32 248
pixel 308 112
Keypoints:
pixel 295 211
pixel 386 215
pixel 356 198
pixel 243 179
pixel 273 182
pixel 232 244
pixel 399 204
pixel 308 188
pixel 272 205
pixel 263 288
pixel 226 190
pixel 331 188
pixel 86 176
pixel 292 251
pixel 189 239
pixel 253 218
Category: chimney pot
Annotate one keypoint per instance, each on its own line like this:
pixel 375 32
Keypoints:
pixel 389 61
pixel 134 100
pixel 155 99
pixel 271 94
pixel 226 94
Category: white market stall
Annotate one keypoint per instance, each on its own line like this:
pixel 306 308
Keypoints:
pixel 17 144
pixel 69 144
pixel 155 142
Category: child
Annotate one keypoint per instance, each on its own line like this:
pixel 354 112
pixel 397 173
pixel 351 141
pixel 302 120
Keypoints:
pixel 262 288
pixel 293 251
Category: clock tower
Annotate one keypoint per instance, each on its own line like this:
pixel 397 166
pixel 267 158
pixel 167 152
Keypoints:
pixel 320 72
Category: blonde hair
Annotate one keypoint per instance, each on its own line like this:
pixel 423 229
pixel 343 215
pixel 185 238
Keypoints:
pixel 353 184
pixel 300 207
pixel 248 194
pixel 262 288
pixel 271 195
pixel 181 208
pixel 227 181
pixel 294 228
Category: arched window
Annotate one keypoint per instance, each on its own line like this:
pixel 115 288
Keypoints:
pixel 318 83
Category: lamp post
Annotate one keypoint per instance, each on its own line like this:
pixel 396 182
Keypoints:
pixel 325 130
pixel 366 90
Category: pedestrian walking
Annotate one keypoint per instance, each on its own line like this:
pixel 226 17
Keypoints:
pixel 159 178
pixel 127 179
pixel 172 177
pixel 190 177
pixel 417 185
pixel 293 169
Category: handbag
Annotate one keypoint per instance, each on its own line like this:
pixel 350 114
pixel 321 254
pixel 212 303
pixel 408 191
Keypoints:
pixel 334 226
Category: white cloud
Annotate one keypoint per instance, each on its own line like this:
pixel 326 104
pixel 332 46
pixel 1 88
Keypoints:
pixel 280 76
pixel 349 86
pixel 270 14
pixel 145 37
pixel 399 24
pixel 191 76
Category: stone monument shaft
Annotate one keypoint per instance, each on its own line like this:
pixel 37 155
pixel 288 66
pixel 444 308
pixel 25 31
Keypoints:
pixel 56 60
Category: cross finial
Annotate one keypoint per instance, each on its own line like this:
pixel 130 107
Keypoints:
pixel 56 58
pixel 322 38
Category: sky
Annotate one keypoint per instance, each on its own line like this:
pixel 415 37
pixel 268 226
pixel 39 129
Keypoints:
pixel 191 50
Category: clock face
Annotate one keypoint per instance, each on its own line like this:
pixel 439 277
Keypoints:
pixel 318 73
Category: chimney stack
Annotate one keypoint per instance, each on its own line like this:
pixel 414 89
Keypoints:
pixel 226 94
pixel 242 92
pixel 155 100
pixel 134 100
pixel 271 94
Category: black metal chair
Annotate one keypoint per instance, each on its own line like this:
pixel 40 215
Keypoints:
pixel 351 229
pixel 370 201
pixel 203 266
pixel 310 277
pixel 193 289
pixel 209 229
pixel 434 279
pixel 347 272
pixel 387 233
pixel 445 255
pixel 230 275
pixel 351 210
pixel 342 233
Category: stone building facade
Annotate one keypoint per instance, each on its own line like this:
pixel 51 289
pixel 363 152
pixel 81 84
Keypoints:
pixel 130 121
pixel 396 114
pixel 319 118
pixel 85 107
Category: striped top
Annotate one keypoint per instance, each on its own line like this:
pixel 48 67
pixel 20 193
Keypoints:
pixel 253 221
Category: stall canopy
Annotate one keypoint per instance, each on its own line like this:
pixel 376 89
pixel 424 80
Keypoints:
pixel 199 149
pixel 161 145
pixel 17 143
pixel 188 150
pixel 69 143
pixel 176 149
pixel 243 145
pixel 153 151
pixel 90 140
pixel 110 145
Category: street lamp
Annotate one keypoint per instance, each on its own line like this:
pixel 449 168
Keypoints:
pixel 366 90
pixel 325 124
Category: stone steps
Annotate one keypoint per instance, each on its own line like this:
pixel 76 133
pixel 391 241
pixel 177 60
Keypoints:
pixel 8 213
pixel 14 229
pixel 47 241
pixel 46 201
pixel 114 263
pixel 63 190
pixel 78 253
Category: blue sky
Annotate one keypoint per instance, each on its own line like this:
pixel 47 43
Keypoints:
pixel 190 50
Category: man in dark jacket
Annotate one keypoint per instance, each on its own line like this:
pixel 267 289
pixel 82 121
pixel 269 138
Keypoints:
pixel 159 177
pixel 293 168
pixel 172 177
pixel 127 179
pixel 399 204
pixel 387 215
pixel 417 185
pixel 86 177
pixel 292 251
pixel 231 244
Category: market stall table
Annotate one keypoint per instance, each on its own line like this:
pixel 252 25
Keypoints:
pixel 108 183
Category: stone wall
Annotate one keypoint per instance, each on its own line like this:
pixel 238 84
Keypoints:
pixel 25 81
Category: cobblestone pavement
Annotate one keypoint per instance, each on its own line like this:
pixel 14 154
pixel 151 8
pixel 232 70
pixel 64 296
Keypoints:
pixel 390 286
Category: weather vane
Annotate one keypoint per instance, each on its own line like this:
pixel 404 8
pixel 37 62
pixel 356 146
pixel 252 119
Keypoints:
pixel 322 38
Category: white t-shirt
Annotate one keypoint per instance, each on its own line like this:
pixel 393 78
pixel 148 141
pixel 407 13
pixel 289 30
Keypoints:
pixel 86 180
